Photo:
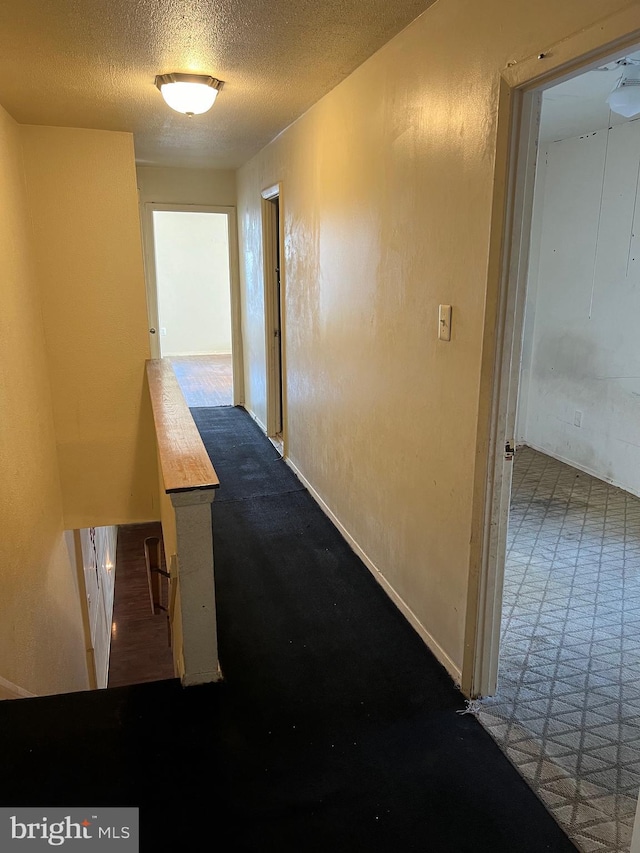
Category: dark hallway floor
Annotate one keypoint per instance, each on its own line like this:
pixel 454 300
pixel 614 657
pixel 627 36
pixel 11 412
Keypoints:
pixel 335 728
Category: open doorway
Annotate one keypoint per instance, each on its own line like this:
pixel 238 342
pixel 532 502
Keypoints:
pixel 273 314
pixel 192 299
pixel 563 661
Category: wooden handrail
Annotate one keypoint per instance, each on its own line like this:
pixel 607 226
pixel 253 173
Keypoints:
pixel 184 461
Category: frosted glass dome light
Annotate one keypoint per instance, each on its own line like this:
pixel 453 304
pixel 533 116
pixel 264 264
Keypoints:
pixel 191 94
pixel 625 96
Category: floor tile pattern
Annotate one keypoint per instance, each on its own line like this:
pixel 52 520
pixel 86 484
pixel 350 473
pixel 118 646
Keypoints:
pixel 567 711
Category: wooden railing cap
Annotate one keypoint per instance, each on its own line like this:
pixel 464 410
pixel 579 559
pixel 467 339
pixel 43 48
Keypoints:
pixel 184 460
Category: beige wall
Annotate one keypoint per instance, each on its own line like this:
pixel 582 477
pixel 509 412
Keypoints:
pixel 186 186
pixel 41 635
pixel 82 195
pixel 387 196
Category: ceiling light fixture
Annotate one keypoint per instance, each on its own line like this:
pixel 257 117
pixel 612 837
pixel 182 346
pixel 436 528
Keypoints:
pixel 191 94
pixel 624 98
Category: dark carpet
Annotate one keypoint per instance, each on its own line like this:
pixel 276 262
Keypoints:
pixel 249 465
pixel 350 724
pixel 335 728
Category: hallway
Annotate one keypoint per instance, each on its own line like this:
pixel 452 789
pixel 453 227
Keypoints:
pixel 334 728
pixel 350 732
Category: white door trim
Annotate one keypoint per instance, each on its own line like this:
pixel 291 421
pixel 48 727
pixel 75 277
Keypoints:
pixel 147 210
pixel 509 322
pixel 521 87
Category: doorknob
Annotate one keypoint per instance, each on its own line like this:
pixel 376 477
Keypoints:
pixel 152 331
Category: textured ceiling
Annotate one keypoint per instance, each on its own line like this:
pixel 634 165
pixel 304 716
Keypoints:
pixel 92 63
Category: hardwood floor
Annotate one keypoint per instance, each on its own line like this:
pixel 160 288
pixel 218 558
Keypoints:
pixel 139 640
pixel 205 380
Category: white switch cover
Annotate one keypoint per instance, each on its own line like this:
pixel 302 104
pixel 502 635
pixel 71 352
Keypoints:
pixel 444 323
pixel 163 330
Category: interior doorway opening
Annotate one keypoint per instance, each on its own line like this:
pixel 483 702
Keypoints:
pixel 193 300
pixel 192 282
pixel 273 314
pixel 559 649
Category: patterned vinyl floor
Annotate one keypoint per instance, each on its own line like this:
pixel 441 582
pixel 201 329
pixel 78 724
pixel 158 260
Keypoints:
pixel 567 711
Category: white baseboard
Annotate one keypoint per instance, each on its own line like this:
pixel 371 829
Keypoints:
pixel 256 419
pixel 207 677
pixel 9 690
pixel 276 441
pixel 403 607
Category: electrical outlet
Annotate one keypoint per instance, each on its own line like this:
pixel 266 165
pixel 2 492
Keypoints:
pixel 577 418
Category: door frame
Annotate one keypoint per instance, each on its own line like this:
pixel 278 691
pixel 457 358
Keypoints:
pixel 148 239
pixel 520 91
pixel 276 387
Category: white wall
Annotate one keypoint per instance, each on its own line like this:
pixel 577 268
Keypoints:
pixel 582 341
pixel 531 296
pixel 192 279
pixel 98 563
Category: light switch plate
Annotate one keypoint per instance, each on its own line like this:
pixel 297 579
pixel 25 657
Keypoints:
pixel 444 323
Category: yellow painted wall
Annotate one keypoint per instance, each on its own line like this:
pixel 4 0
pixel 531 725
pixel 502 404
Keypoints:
pixel 83 201
pixel 41 634
pixel 164 185
pixel 387 196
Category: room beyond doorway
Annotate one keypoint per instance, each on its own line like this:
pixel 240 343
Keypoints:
pixel 193 298
pixel 192 282
pixel 566 553
pixel 205 380
pixel 565 711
